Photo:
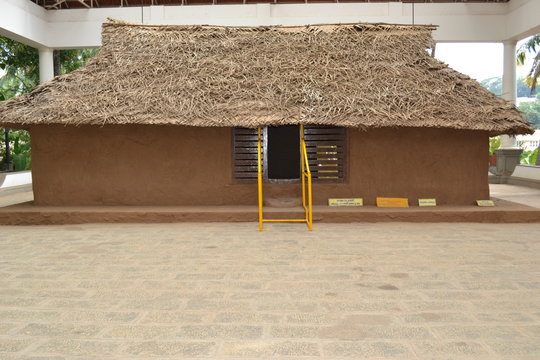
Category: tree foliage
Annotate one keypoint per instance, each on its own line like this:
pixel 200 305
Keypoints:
pixel 494 85
pixel 68 60
pixel 21 65
pixel 530 46
pixel 19 71
pixel 531 111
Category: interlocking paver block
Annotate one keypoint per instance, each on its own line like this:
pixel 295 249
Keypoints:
pixel 437 317
pixel 247 318
pixel 23 315
pixel 98 316
pixel 295 331
pixel 78 347
pixel 516 348
pixel 167 317
pixel 171 348
pixel 478 332
pixel 64 330
pixel 5 328
pixel 220 331
pixel 365 350
pixel 307 318
pixel 209 305
pixel 267 348
pixel 453 348
pixel 140 332
pixel 512 317
pixel 13 345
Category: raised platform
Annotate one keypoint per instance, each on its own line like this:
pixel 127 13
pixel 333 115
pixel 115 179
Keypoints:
pixel 29 214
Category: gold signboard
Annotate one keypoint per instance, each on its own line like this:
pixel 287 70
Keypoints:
pixel 392 202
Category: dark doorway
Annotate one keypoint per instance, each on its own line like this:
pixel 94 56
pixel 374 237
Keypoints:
pixel 283 152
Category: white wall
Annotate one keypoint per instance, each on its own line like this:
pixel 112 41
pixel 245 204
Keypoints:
pixel 459 22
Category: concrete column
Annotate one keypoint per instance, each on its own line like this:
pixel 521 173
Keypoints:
pixel 46 65
pixel 509 88
pixel 508 155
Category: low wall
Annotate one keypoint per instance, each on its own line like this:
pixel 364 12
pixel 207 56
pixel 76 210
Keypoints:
pixel 526 175
pixel 17 178
pixel 530 172
pixel 174 165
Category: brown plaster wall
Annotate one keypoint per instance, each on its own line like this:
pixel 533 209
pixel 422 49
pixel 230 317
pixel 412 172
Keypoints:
pixel 174 165
pixel 449 165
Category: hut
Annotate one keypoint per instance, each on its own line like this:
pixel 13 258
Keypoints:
pixel 167 115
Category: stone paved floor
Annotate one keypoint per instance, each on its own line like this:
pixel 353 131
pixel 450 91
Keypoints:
pixel 226 291
pixel 16 195
pixel 520 194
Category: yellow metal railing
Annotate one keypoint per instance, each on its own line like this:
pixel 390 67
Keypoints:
pixel 306 178
pixel 307 202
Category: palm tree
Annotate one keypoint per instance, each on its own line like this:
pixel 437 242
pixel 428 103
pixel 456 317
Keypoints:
pixel 530 46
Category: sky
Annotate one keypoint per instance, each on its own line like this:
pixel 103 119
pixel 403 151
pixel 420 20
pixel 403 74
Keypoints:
pixel 478 60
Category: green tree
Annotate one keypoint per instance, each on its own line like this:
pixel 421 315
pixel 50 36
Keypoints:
pixel 494 85
pixel 530 47
pixel 65 61
pixel 20 63
pixel 532 111
pixel 20 67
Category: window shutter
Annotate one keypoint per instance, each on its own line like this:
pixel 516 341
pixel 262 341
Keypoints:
pixel 326 148
pixel 245 154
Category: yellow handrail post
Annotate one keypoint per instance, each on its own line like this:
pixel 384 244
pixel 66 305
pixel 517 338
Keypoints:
pixel 259 178
pixel 302 168
pixel 309 210
pixel 310 204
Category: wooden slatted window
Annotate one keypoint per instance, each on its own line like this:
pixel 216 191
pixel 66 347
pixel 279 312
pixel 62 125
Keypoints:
pixel 245 155
pixel 326 148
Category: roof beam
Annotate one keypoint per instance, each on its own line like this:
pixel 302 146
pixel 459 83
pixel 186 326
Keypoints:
pixel 25 21
pixel 85 4
pixel 55 5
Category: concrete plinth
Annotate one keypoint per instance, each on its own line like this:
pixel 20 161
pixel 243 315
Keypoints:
pixel 30 214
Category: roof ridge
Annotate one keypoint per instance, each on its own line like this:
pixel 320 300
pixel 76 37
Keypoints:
pixel 117 22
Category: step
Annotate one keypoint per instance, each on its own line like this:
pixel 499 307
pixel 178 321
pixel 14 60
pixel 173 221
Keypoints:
pixel 30 214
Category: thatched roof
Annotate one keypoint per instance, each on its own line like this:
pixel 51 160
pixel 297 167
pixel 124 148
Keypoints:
pixel 354 75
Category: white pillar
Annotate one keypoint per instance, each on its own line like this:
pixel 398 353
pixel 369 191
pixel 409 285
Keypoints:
pixel 509 88
pixel 46 65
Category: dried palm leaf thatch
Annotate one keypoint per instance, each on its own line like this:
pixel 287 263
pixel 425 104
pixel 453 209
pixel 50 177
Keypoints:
pixel 353 75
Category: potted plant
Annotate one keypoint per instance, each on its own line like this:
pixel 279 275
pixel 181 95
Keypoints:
pixel 494 143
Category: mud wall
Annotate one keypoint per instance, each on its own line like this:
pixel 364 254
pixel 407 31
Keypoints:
pixel 169 165
pixel 449 165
